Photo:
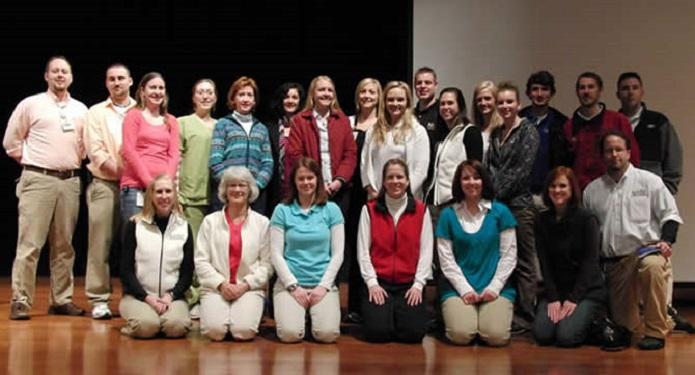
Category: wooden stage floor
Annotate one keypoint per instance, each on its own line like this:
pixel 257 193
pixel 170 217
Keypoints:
pixel 67 345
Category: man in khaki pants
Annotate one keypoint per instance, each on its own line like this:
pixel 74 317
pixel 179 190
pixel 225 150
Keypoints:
pixel 44 135
pixel 639 222
pixel 102 139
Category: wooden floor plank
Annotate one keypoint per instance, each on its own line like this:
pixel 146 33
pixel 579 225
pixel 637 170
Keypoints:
pixel 65 345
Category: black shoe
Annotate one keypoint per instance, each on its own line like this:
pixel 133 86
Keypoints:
pixel 19 311
pixel 518 329
pixel 682 324
pixel 651 343
pixel 69 309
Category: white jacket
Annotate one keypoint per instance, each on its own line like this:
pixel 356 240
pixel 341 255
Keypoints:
pixel 158 256
pixel 450 153
pixel 417 156
pixel 212 252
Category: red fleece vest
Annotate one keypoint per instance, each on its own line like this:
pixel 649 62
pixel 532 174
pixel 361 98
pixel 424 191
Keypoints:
pixel 395 251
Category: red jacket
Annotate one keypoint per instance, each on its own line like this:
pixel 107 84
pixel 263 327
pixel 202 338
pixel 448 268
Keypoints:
pixel 583 137
pixel 304 141
pixel 395 251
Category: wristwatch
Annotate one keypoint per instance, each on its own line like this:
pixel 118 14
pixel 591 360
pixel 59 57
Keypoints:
pixel 292 288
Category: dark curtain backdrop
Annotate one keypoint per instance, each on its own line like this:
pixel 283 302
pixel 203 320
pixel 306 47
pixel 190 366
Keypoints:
pixel 271 41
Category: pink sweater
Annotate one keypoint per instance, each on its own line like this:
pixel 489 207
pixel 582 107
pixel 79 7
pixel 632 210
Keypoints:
pixel 148 150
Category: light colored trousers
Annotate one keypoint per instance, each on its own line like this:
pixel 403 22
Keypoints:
pixel 631 280
pixel 490 320
pixel 103 207
pixel 290 316
pixel 48 208
pixel 240 318
pixel 143 322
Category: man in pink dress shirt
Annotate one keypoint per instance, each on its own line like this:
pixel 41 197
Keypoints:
pixel 44 135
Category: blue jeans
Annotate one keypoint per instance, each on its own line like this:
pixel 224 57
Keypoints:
pixel 129 207
pixel 568 332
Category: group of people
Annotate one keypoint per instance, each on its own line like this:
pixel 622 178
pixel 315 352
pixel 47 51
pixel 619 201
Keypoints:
pixel 218 213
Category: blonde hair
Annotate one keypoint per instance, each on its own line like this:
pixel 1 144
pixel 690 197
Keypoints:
pixel 379 92
pixel 385 122
pixel 478 118
pixel 148 209
pixel 335 107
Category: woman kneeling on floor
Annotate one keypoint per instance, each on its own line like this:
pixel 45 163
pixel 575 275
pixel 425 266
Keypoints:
pixel 157 265
pixel 395 255
pixel 476 242
pixel 232 260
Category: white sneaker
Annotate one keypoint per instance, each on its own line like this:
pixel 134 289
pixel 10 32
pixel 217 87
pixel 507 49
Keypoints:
pixel 101 311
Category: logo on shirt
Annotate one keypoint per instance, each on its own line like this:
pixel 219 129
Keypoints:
pixel 640 193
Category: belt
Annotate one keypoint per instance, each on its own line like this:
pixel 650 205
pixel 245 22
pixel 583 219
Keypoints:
pixel 63 175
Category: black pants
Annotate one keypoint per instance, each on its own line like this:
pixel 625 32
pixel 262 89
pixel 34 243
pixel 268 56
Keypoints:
pixel 395 320
pixel 525 275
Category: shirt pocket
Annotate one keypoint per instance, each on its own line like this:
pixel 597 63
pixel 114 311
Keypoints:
pixel 638 210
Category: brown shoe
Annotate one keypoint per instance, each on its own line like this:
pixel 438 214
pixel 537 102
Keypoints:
pixel 19 311
pixel 69 309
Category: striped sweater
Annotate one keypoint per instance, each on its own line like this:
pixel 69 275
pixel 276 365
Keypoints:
pixel 231 146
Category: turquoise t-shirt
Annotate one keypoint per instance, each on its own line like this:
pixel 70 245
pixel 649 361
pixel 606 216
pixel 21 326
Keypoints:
pixel 307 238
pixel 477 254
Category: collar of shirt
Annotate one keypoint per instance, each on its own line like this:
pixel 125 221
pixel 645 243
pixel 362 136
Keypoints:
pixel 321 120
pixel 110 103
pixel 298 210
pixel 58 102
pixel 585 118
pixel 634 119
pixel 484 206
pixel 612 183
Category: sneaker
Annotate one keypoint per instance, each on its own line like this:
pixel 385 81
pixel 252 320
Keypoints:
pixel 101 311
pixel 353 317
pixel 682 324
pixel 651 343
pixel 19 311
pixel 69 309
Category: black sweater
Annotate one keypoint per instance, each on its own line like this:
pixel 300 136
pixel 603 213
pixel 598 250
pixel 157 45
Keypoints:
pixel 568 254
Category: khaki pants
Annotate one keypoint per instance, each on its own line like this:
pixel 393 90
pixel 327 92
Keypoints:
pixel 48 208
pixel 103 207
pixel 490 320
pixel 631 280
pixel 143 322
pixel 240 318
pixel 290 316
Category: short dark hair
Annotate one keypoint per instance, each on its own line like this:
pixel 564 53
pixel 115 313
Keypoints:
pixel 626 75
pixel 456 190
pixel 321 197
pixel 591 75
pixel 425 69
pixel 543 78
pixel 554 174
pixel 119 65
pixel 57 57
pixel 616 133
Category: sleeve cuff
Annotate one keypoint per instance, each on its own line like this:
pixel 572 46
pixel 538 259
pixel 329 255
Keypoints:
pixel 372 282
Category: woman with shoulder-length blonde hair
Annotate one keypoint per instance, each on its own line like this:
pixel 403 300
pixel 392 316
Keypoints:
pixel 369 104
pixel 232 260
pixel 396 134
pixel 322 132
pixel 157 265
pixel 240 139
pixel 485 111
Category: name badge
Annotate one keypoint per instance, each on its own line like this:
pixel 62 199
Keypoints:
pixel 139 199
pixel 68 127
